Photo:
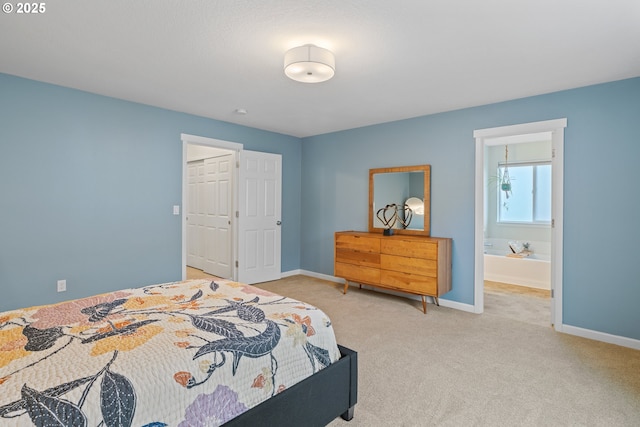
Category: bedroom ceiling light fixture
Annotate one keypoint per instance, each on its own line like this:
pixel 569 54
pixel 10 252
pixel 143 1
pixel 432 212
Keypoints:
pixel 309 64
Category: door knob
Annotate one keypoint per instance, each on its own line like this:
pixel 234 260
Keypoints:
pixel 278 222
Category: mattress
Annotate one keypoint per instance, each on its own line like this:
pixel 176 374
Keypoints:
pixel 177 354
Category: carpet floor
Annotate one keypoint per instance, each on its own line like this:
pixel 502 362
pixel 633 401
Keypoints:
pixel 506 367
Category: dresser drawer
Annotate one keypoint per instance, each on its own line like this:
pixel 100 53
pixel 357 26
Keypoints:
pixel 409 248
pixel 412 283
pixel 423 267
pixel 357 273
pixel 367 259
pixel 358 243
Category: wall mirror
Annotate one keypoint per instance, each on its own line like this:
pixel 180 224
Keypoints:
pixel 404 185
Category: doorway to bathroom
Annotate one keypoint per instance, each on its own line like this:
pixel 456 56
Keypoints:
pixel 518 239
pixel 517 242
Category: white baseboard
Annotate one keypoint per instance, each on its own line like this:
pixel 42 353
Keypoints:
pixel 571 330
pixel 292 273
pixel 600 336
pixel 457 305
pixel 321 276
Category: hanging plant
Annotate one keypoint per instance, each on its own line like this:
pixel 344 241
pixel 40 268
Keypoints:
pixel 505 180
pixel 502 180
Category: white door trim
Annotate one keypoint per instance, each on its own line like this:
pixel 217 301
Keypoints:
pixel 556 127
pixel 217 143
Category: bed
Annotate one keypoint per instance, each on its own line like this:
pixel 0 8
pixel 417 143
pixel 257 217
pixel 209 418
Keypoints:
pixel 191 353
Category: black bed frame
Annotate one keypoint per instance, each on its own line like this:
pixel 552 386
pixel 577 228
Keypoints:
pixel 315 401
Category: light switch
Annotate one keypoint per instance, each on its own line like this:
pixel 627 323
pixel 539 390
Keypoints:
pixel 176 209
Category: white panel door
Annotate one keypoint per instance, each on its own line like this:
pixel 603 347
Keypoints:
pixel 260 216
pixel 218 208
pixel 195 214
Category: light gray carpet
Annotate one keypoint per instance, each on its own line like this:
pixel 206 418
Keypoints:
pixel 451 368
pixel 523 308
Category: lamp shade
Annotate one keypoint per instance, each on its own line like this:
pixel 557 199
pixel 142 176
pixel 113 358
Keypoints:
pixel 309 64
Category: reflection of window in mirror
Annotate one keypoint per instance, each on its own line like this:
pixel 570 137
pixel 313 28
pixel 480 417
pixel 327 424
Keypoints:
pixel 417 210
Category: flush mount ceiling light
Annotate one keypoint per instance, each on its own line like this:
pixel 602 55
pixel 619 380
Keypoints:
pixel 309 64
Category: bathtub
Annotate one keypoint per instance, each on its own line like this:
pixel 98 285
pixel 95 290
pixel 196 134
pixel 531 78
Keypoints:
pixel 533 271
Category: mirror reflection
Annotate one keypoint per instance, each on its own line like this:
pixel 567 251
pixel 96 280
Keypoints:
pixel 403 191
pixel 396 189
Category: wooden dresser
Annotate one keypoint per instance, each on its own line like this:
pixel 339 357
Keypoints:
pixel 417 265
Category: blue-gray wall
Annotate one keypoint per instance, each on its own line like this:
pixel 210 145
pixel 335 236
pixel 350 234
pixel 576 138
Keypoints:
pixel 601 208
pixel 87 185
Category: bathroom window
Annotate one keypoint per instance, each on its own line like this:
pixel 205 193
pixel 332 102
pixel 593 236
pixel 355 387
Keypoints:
pixel 529 201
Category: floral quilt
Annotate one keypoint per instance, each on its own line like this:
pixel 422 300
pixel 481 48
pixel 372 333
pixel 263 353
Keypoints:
pixel 190 353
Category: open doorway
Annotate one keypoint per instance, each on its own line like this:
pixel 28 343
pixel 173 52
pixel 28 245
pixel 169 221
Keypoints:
pixel 251 218
pixel 209 210
pixel 517 227
pixel 209 200
pixel 508 136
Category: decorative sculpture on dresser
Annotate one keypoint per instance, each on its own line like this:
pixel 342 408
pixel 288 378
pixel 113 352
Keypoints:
pixel 390 215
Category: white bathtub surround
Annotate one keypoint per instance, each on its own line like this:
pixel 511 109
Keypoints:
pixel 536 249
pixel 531 271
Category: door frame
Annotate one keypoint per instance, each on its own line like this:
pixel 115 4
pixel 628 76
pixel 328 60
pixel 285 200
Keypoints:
pixel 556 127
pixel 215 143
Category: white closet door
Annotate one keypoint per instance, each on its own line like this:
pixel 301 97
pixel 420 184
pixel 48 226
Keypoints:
pixel 260 216
pixel 195 214
pixel 217 215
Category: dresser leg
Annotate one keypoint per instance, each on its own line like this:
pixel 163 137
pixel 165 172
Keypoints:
pixel 346 286
pixel 436 301
pixel 424 304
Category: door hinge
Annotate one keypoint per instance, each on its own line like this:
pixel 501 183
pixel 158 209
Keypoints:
pixel 553 223
pixel 237 163
pixel 237 214
pixel 552 293
pixel 553 153
pixel 236 264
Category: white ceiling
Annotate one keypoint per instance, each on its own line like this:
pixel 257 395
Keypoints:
pixel 394 59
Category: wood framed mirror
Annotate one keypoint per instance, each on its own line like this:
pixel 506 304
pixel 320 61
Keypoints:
pixel 401 185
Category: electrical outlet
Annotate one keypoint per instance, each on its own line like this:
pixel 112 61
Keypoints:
pixel 62 285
